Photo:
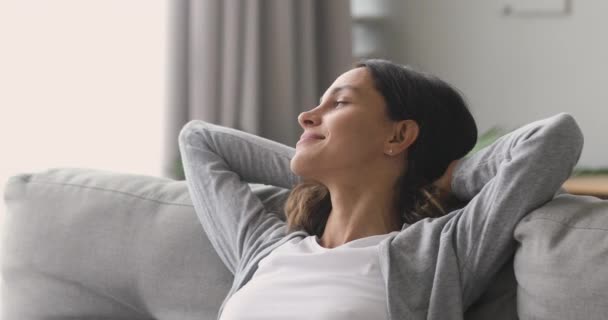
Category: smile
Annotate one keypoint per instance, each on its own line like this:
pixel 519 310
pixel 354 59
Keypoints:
pixel 307 140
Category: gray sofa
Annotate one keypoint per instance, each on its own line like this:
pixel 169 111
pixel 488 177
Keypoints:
pixel 90 244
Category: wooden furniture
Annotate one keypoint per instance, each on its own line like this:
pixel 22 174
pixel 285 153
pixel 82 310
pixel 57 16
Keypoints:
pixel 594 185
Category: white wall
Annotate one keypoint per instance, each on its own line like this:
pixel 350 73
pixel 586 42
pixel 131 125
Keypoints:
pixel 513 70
pixel 82 84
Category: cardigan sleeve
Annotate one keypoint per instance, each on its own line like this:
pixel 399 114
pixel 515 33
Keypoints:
pixel 219 163
pixel 518 173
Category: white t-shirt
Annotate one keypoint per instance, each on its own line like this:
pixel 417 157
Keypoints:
pixel 303 280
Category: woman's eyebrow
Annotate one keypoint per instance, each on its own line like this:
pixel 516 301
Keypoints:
pixel 340 88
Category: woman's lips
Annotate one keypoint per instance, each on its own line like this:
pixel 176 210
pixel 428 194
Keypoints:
pixel 309 136
pixel 307 139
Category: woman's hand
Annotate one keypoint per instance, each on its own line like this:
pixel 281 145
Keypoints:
pixel 445 182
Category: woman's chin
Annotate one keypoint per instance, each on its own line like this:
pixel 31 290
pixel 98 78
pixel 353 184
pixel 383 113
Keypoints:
pixel 301 167
pixel 295 166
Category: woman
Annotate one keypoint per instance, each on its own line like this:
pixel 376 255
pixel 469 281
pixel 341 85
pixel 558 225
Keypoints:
pixel 366 235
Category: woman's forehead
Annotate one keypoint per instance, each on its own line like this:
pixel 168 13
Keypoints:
pixel 357 81
pixel 357 77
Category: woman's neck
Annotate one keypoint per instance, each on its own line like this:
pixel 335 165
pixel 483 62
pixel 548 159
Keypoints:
pixel 359 212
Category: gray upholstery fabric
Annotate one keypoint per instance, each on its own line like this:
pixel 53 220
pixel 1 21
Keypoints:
pixel 562 264
pixel 85 243
pixel 90 244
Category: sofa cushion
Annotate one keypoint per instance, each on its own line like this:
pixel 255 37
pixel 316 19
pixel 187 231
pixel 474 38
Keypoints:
pixel 561 265
pixel 88 243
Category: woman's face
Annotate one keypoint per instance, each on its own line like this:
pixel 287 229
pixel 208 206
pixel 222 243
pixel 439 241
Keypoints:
pixel 351 119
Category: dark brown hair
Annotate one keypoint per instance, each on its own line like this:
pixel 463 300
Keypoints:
pixel 447 132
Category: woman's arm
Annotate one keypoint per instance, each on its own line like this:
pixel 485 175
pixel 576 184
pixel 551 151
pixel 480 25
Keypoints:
pixel 219 162
pixel 518 173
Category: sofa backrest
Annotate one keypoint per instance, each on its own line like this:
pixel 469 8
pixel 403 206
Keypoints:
pixel 83 243
pixel 561 264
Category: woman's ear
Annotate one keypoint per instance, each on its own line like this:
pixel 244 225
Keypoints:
pixel 405 133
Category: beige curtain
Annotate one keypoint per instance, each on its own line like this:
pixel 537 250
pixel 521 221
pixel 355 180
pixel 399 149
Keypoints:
pixel 253 65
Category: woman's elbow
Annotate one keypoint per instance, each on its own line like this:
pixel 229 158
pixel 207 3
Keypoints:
pixel 570 135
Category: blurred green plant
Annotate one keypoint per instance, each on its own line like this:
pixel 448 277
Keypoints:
pixel 178 169
pixel 488 137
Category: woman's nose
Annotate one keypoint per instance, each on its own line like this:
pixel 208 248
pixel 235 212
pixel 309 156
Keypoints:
pixel 308 118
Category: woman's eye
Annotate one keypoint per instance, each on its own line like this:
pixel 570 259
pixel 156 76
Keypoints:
pixel 341 102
